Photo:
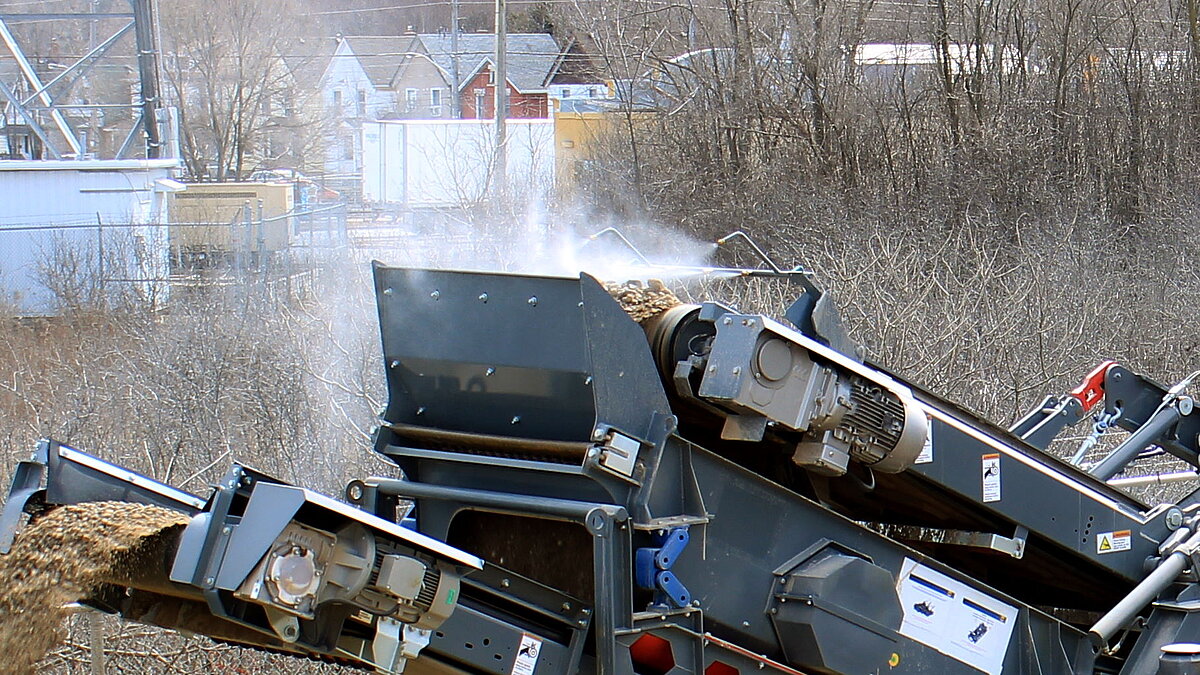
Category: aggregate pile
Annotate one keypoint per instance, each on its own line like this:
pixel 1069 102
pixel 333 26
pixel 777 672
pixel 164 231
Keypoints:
pixel 62 557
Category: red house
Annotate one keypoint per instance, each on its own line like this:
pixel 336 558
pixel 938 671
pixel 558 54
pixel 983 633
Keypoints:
pixel 532 62
pixel 432 64
pixel 478 97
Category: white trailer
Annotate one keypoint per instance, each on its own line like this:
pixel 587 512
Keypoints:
pixel 426 164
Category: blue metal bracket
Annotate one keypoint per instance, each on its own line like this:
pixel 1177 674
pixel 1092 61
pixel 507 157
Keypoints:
pixel 652 568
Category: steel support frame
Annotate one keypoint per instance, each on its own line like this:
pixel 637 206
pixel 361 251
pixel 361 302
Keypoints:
pixel 80 67
pixel 34 81
pixel 141 22
pixel 608 525
pixel 1041 496
pixel 618 625
pixel 29 119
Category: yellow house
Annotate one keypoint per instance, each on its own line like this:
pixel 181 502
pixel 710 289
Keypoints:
pixel 581 137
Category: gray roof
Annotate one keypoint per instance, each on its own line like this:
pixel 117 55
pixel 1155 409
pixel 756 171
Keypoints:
pixel 308 58
pixel 533 58
pixel 381 56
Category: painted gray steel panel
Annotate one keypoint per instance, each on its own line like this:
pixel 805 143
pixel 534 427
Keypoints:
pixel 270 509
pixel 1063 509
pixel 472 637
pixel 522 359
pixel 525 367
pixel 759 526
pixel 627 388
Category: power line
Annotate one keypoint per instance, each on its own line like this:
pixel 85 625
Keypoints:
pixel 420 5
pixel 6 5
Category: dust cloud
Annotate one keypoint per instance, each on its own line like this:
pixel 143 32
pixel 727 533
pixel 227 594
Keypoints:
pixel 537 242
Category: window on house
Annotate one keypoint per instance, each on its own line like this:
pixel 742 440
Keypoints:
pixel 337 98
pixel 362 103
pixel 410 100
pixel 347 147
pixel 480 99
pixel 435 102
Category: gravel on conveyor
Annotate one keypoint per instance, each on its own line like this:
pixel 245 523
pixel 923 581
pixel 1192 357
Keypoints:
pixel 60 558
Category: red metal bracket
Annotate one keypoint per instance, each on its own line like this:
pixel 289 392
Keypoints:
pixel 1091 390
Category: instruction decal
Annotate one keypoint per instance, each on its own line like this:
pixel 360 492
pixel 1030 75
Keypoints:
pixel 926 455
pixel 954 618
pixel 991 477
pixel 1111 542
pixel 527 655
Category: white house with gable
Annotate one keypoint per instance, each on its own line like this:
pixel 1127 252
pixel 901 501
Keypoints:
pixel 357 86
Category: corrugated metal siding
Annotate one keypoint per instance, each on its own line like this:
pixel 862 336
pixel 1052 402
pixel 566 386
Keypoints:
pixel 54 205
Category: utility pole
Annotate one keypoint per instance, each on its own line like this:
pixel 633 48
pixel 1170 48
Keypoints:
pixel 455 102
pixel 93 115
pixel 501 176
pixel 148 71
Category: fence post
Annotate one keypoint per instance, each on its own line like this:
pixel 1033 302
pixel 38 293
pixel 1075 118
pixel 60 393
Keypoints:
pixel 340 224
pixel 96 642
pixel 100 259
pixel 262 241
pixel 243 243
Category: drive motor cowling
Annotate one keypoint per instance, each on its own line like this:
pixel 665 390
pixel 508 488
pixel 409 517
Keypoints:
pixel 756 372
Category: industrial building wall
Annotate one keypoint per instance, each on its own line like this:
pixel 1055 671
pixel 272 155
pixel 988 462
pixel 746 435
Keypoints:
pixel 89 222
pixel 427 164
pixel 224 203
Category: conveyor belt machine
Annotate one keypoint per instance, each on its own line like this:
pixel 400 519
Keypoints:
pixel 711 491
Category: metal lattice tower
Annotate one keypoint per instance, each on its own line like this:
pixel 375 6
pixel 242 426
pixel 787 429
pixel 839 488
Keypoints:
pixel 46 116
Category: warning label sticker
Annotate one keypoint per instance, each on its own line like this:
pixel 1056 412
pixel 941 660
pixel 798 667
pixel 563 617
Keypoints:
pixel 527 655
pixel 991 477
pixel 926 455
pixel 1111 542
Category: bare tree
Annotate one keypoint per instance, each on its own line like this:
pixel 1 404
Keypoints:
pixel 225 68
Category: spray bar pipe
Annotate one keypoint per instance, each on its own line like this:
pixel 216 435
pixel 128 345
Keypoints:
pixel 1155 479
pixel 617 233
pixel 721 271
pixel 757 251
pixel 774 271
